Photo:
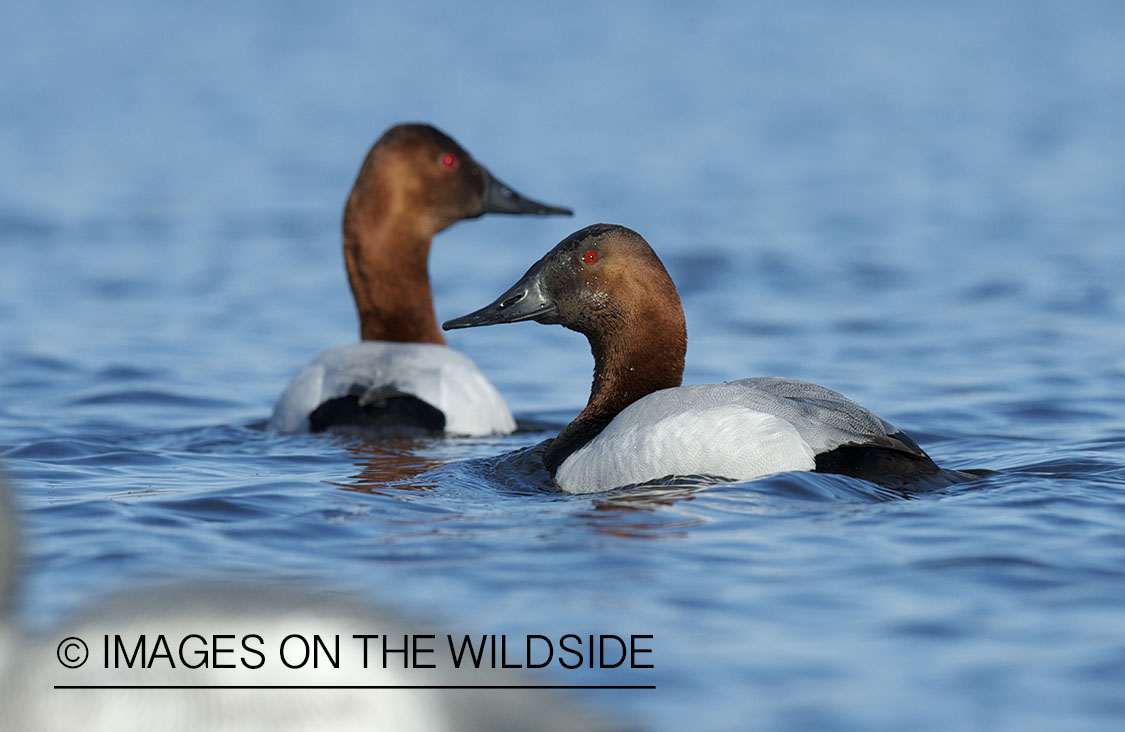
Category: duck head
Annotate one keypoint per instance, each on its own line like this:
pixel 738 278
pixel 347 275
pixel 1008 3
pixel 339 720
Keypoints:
pixel 415 182
pixel 601 280
pixel 606 283
pixel 416 168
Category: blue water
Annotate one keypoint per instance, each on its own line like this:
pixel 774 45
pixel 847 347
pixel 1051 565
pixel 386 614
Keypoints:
pixel 920 207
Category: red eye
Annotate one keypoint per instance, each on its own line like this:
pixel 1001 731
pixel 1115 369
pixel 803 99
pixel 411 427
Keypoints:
pixel 590 257
pixel 449 160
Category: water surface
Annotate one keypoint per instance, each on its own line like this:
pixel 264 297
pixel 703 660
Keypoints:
pixel 919 207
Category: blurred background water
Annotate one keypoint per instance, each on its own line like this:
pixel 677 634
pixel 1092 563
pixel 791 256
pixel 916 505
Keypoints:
pixel 919 205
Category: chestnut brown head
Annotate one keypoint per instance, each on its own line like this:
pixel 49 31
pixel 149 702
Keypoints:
pixel 593 281
pixel 425 173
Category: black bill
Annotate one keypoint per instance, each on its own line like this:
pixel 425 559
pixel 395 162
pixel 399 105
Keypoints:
pixel 525 300
pixel 502 198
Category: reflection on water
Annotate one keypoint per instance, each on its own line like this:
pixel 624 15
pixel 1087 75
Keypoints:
pixel 387 463
pixel 636 512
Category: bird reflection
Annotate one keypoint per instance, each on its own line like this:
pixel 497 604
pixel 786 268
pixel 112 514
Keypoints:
pixel 637 513
pixel 389 463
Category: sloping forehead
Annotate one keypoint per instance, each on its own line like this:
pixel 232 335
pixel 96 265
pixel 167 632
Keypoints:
pixel 416 135
pixel 608 239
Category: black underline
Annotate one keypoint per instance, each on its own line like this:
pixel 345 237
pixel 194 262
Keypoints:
pixel 405 686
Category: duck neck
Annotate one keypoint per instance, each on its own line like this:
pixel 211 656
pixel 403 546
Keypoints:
pixel 388 270
pixel 648 358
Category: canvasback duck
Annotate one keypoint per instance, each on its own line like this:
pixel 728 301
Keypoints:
pixel 402 379
pixel 640 424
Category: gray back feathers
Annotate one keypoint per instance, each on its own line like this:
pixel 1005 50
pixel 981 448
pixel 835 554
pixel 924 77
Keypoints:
pixel 825 419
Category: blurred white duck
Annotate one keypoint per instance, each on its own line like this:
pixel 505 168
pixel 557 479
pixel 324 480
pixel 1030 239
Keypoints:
pixel 30 667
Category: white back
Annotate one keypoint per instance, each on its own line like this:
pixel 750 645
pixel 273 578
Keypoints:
pixel 436 374
pixel 739 430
